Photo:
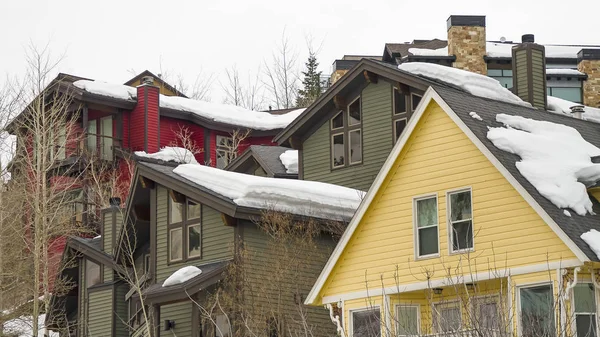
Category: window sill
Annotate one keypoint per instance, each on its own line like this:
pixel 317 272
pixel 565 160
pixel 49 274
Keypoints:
pixel 462 251
pixel 427 257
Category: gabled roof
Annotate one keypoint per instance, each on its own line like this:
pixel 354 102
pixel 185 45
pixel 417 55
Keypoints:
pixel 399 50
pixel 458 105
pixel 267 157
pixel 158 79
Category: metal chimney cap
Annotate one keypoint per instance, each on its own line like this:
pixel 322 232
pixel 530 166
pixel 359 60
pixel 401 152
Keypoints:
pixel 114 202
pixel 147 80
pixel 577 109
pixel 528 38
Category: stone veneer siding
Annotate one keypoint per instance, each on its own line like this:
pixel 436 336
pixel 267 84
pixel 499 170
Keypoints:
pixel 591 87
pixel 467 43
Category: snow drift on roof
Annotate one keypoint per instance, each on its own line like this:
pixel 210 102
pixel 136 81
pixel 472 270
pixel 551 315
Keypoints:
pixel 495 49
pixel 562 106
pixel 182 275
pixel 592 238
pixel 428 52
pixel 555 159
pixel 301 197
pixel 475 84
pixel 221 113
pixel 289 159
pixel 23 327
pixel 563 71
pixel 172 154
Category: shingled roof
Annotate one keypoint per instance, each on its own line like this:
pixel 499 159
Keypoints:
pixel 267 157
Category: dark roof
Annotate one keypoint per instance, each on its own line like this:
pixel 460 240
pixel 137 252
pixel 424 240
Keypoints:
pixel 158 79
pixel 267 157
pixel 398 50
pixel 463 103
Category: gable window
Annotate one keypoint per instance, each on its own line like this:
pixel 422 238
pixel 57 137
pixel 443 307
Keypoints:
pixel 407 320
pixel 366 322
pixel 400 115
pixel 346 136
pixel 447 317
pixel 225 151
pixel 584 297
pixel 461 220
pixel 93 275
pixel 537 311
pixel 426 221
pixel 185 228
pixel 414 101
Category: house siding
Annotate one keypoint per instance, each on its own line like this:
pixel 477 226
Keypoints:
pixel 217 239
pixel 181 313
pixel 121 312
pixel 169 128
pixel 377 143
pixel 439 157
pixel 100 312
pixel 153 132
pixel 107 235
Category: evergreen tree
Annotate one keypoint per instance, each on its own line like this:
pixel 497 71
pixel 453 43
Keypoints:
pixel 311 83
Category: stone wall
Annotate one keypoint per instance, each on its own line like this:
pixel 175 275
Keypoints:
pixel 591 87
pixel 467 43
pixel 337 75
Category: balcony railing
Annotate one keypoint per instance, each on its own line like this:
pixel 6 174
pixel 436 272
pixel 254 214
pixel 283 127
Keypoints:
pixel 470 333
pixel 93 146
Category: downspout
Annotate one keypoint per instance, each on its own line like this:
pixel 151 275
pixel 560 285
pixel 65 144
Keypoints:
pixel 335 320
pixel 570 285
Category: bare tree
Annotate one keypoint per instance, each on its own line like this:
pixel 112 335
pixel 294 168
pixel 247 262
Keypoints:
pixel 282 75
pixel 251 96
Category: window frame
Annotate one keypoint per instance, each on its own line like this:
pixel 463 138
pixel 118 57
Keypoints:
pixel 360 309
pixel 405 115
pixel 346 129
pixel 416 226
pixel 495 298
pixel 407 305
pixel 184 226
pixel 520 287
pixel 225 149
pixel 450 304
pixel 413 107
pixel 450 224
pixel 100 272
pixel 573 309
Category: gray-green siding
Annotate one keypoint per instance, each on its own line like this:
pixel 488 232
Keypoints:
pixel 266 289
pixel 121 312
pixel 181 313
pixel 217 239
pixel 100 304
pixel 107 234
pixel 377 143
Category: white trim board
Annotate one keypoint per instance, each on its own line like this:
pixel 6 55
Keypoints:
pixel 429 95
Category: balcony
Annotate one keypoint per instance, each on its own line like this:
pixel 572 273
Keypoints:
pixel 94 148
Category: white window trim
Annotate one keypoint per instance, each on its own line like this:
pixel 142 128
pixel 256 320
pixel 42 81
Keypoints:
pixel 332 118
pixel 394 126
pixel 171 245
pixel 367 308
pixel 394 113
pixel 450 230
pixel 350 162
pixel 348 112
pixel 585 280
pixel 416 227
pixel 333 151
pixel 531 285
pixel 451 304
pixel 407 305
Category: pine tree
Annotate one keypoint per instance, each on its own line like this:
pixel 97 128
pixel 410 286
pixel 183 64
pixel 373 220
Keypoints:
pixel 311 83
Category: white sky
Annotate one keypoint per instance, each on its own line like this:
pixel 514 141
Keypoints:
pixel 105 39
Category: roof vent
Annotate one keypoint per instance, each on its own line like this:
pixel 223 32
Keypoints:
pixel 148 80
pixel 528 38
pixel 577 111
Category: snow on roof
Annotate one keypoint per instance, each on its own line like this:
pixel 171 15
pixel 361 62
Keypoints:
pixel 221 113
pixel 563 71
pixel 182 275
pixel 476 84
pixel 289 159
pixel 555 159
pixel 23 327
pixel 301 197
pixel 592 238
pixel 562 106
pixel 428 52
pixel 173 154
pixel 495 49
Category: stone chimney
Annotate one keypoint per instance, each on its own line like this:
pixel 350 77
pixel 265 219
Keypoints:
pixel 144 129
pixel 529 71
pixel 588 62
pixel 466 41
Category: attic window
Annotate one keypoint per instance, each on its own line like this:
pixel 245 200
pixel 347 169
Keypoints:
pixel 346 136
pixel 400 115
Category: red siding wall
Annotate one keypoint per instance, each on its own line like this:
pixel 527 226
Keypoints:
pixel 153 118
pixel 170 127
pixel 264 140
pixel 137 121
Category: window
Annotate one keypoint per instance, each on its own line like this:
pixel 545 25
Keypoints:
pixel 584 297
pixel 225 151
pixel 400 115
pixel 407 320
pixel 92 274
pixel 147 263
pixel 447 317
pixel 461 220
pixel 537 311
pixel 426 218
pixel 92 137
pixel 415 100
pixel 106 143
pixel 486 314
pixel 223 328
pixel 504 76
pixel 185 228
pixel 346 136
pixel 366 323
pixel 570 94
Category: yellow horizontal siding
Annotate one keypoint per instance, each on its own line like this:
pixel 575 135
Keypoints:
pixel 438 158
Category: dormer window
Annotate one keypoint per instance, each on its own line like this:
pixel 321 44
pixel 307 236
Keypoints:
pixel 346 136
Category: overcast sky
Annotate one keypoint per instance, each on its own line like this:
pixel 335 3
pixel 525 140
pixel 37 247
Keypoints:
pixel 107 39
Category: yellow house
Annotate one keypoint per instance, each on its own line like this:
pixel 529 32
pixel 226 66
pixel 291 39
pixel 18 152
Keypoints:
pixel 451 240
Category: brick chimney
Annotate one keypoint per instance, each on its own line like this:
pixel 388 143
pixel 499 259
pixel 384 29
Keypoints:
pixel 466 41
pixel 144 130
pixel 529 71
pixel 588 62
